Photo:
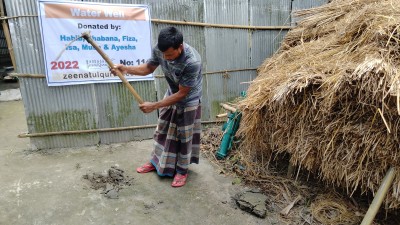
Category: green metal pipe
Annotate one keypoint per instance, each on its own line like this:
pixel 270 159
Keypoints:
pixel 229 128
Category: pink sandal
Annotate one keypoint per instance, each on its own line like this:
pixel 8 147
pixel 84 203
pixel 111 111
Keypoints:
pixel 148 167
pixel 179 180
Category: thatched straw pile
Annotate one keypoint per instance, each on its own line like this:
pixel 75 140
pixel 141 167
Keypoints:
pixel 330 97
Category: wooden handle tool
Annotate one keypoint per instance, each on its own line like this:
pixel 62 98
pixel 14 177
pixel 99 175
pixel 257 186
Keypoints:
pixel 89 39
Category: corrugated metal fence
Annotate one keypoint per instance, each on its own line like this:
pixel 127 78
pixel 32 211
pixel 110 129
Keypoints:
pixel 107 112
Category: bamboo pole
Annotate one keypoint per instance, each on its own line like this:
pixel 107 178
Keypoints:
pixel 227 71
pixel 27 75
pixel 7 36
pixel 378 199
pixel 25 135
pixel 216 72
pixel 45 134
pixel 222 25
pixel 192 24
pixel 156 76
pixel 15 17
pixel 211 121
pixel 111 65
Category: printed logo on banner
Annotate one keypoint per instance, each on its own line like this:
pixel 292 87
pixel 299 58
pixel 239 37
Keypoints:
pixel 122 31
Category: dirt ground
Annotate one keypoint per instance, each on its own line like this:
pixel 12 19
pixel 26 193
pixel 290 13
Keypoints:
pixel 48 186
pixel 99 185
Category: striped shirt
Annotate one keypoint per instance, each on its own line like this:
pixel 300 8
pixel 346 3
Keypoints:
pixel 184 70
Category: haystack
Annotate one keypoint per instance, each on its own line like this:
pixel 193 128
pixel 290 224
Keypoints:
pixel 330 97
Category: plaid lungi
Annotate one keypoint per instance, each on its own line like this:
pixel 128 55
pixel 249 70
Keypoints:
pixel 177 140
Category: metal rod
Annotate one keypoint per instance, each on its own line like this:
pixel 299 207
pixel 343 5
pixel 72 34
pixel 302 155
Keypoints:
pixel 111 65
pixel 378 199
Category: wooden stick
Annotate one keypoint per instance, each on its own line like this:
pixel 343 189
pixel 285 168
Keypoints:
pixel 111 65
pixel 378 199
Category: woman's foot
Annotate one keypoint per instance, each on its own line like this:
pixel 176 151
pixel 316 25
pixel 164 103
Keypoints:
pixel 179 180
pixel 148 167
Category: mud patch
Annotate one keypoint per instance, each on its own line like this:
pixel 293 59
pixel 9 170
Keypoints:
pixel 110 181
pixel 252 201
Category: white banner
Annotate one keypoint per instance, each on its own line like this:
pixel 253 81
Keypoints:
pixel 122 31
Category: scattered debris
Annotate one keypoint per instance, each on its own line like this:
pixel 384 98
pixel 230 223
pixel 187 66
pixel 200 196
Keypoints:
pixel 286 210
pixel 253 202
pixel 110 181
pixel 78 166
pixel 149 206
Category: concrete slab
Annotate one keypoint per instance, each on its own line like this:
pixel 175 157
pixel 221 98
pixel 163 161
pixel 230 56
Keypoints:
pixel 46 187
pixel 10 95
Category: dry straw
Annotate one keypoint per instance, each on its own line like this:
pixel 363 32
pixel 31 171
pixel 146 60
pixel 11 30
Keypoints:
pixel 332 209
pixel 330 97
